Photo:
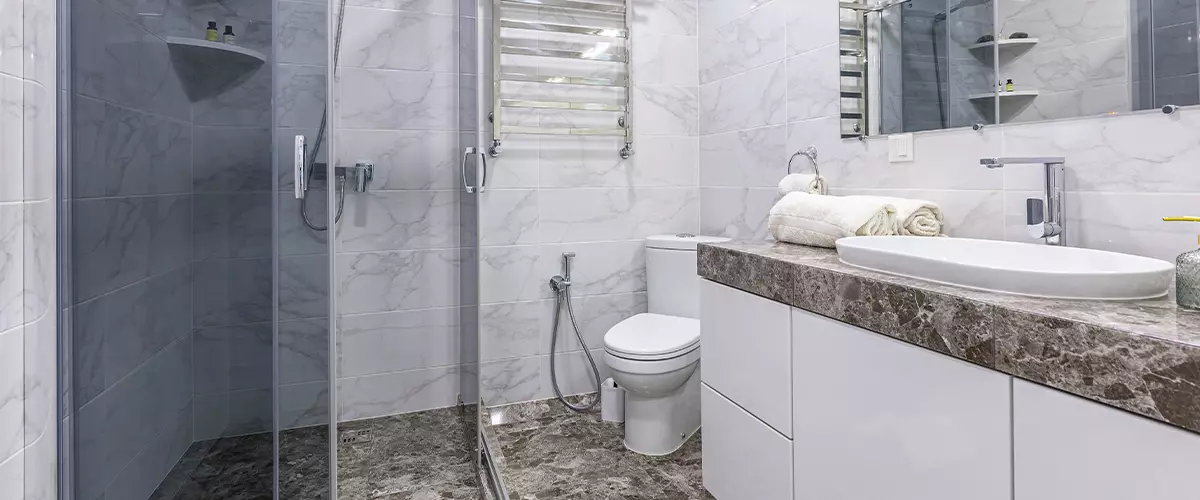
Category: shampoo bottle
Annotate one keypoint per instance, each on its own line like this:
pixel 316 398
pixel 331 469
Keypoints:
pixel 211 34
pixel 228 37
pixel 1187 273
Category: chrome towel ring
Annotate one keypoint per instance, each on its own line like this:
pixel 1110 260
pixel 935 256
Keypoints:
pixel 810 153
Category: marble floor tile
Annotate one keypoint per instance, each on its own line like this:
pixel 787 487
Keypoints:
pixel 553 453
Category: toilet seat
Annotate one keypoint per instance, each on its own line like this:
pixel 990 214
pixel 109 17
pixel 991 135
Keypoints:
pixel 653 337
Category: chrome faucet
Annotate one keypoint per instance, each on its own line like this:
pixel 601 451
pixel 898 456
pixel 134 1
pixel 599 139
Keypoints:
pixel 1042 221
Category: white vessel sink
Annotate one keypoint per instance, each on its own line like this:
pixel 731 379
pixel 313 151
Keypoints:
pixel 1018 268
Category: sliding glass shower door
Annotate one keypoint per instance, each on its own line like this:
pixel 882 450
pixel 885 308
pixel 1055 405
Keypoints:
pixel 195 269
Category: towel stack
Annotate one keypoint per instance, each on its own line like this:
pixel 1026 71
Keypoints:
pixel 805 218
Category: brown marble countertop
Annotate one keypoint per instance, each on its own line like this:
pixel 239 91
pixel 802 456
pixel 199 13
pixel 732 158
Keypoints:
pixel 1139 356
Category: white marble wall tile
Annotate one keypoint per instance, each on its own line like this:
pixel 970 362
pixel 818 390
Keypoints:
pixel 143 474
pixel 574 373
pixel 112 429
pixel 746 43
pixel 813 84
pixel 518 167
pixel 397 100
pixel 717 13
pixel 232 291
pixel 232 358
pixel 811 24
pixel 40 147
pixel 739 213
pixel 11 137
pixel 509 274
pixel 666 17
pixel 511 217
pixel 304 351
pixel 247 104
pixel 232 414
pixel 574 215
pixel 233 225
pixel 406 159
pixel 380 343
pixel 121 151
pixel 12 472
pixel 300 95
pixel 511 380
pixel 303 405
pixel 41 267
pixel 12 265
pixel 398 392
pixel 12 37
pixel 747 158
pixel 1062 23
pixel 752 99
pixel 665 59
pixel 231 159
pixel 593 162
pixel 301 33
pixel 390 281
pixel 666 161
pixel 426 6
pixel 1127 222
pixel 398 220
pixel 304 287
pixel 596 315
pixel 41 469
pixel 512 329
pixel 12 394
pixel 399 40
pixel 40 357
pixel 666 110
pixel 1094 64
pixel 294 237
pixel 1145 152
pixel 600 268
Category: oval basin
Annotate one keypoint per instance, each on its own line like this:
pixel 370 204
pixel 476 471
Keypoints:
pixel 1017 268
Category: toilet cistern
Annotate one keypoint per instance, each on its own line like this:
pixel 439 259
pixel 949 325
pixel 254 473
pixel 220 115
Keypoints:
pixel 1042 221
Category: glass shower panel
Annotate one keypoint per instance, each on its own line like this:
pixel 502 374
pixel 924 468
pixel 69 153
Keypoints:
pixel 405 247
pixel 196 302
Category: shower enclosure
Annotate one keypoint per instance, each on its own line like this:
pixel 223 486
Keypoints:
pixel 269 252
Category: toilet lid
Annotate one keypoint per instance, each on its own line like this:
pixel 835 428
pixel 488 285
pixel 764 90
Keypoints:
pixel 653 335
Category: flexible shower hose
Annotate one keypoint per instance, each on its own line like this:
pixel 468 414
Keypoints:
pixel 563 294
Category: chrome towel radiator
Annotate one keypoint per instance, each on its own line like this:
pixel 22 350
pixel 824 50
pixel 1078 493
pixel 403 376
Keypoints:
pixel 604 46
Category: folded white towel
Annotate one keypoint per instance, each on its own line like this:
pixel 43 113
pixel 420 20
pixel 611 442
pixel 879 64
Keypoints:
pixel 802 183
pixel 913 217
pixel 819 221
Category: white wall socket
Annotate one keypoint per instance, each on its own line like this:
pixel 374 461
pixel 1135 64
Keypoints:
pixel 900 148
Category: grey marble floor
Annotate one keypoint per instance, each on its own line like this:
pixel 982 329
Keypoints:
pixel 548 452
pixel 415 456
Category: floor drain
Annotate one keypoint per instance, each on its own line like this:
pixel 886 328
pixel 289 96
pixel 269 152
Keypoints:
pixel 356 436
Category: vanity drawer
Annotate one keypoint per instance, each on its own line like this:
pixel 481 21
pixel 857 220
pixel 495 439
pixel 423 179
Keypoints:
pixel 745 349
pixel 743 458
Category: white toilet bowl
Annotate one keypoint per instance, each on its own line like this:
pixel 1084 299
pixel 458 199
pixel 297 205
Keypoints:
pixel 656 359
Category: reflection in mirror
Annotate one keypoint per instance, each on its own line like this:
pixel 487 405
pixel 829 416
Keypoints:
pixel 913 65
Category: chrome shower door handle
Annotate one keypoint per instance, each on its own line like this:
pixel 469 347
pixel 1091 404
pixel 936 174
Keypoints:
pixel 462 167
pixel 480 170
pixel 300 159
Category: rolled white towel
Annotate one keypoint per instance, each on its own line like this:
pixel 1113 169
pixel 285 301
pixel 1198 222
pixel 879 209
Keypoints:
pixel 803 183
pixel 819 221
pixel 914 217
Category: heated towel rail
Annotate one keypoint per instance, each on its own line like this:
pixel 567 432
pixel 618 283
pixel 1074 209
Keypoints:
pixel 605 45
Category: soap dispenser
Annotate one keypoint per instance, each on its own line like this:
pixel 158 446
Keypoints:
pixel 1187 272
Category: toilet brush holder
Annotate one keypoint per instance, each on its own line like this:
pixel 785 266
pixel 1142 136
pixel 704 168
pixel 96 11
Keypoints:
pixel 612 402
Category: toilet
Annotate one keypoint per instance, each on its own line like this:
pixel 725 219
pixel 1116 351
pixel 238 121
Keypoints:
pixel 655 356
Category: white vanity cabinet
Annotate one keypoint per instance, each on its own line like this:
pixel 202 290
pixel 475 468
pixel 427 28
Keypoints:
pixel 1068 448
pixel 877 418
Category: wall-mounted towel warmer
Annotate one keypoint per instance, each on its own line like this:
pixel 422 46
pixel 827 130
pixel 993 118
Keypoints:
pixel 613 46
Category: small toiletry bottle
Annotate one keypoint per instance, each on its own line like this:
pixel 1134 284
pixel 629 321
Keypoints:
pixel 1187 272
pixel 228 37
pixel 1008 86
pixel 210 34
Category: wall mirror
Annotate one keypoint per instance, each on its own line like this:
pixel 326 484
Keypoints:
pixel 914 65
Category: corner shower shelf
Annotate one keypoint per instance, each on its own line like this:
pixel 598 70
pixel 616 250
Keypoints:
pixel 1016 94
pixel 1006 46
pixel 209 68
pixel 206 52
